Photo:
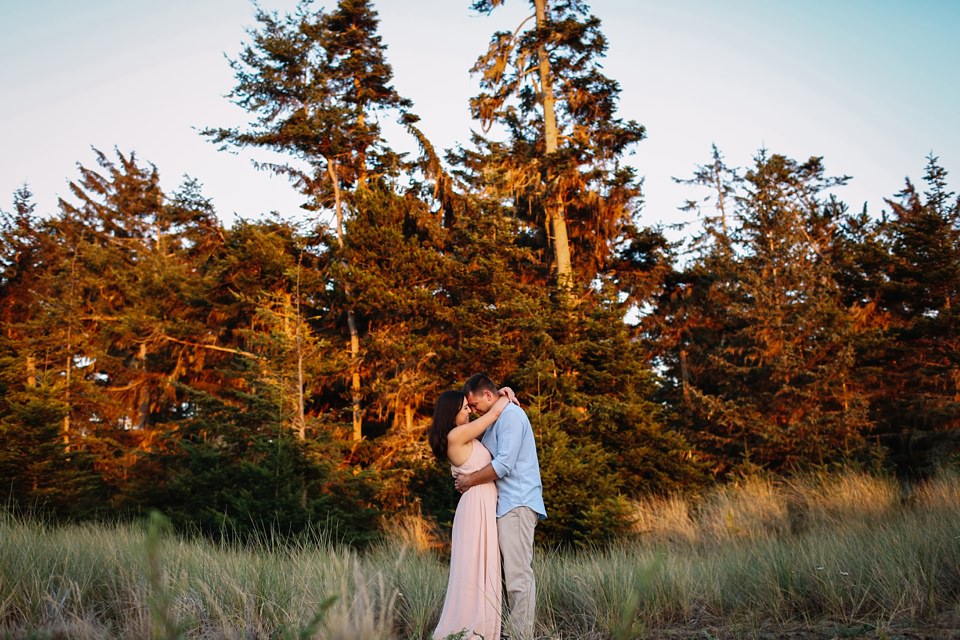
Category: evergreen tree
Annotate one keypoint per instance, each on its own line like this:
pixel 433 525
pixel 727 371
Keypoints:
pixel 234 469
pixel 761 341
pixel 21 253
pixel 314 81
pixel 603 440
pixel 691 317
pixel 37 468
pixel 562 162
pixel 800 340
pixel 111 235
pixel 916 397
pixel 560 175
pixel 583 378
pixel 24 248
pixel 269 288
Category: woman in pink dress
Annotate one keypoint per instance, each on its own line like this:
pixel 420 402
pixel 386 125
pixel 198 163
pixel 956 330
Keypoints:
pixel 472 606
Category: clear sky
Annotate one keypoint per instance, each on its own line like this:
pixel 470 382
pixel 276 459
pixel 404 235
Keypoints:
pixel 873 86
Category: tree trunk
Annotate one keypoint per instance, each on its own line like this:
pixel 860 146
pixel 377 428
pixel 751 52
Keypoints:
pixel 66 417
pixel 556 216
pixel 143 408
pixel 337 198
pixel 300 417
pixel 31 372
pixel 355 367
pixel 351 321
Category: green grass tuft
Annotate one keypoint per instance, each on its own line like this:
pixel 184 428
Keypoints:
pixel 844 555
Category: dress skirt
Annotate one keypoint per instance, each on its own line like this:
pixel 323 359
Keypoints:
pixel 474 592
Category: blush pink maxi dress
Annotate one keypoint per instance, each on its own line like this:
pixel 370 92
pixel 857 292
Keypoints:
pixel 474 591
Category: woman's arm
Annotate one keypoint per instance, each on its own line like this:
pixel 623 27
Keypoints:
pixel 467 432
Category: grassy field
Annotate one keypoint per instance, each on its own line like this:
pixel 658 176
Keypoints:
pixel 844 556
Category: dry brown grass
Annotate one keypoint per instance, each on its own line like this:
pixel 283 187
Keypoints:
pixel 413 531
pixel 943 493
pixel 751 508
pixel 734 563
pixel 664 520
pixel 757 508
pixel 835 500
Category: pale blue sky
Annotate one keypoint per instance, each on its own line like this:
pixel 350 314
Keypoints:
pixel 872 86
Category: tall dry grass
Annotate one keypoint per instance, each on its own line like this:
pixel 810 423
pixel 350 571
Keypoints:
pixel 122 581
pixel 848 549
pixel 852 548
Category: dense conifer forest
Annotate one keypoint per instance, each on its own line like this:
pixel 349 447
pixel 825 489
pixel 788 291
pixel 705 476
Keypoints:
pixel 280 374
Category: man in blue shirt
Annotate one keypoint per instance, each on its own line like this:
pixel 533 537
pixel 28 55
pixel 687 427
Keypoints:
pixel 516 470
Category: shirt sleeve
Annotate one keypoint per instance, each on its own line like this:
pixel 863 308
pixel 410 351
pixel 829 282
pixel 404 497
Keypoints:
pixel 509 437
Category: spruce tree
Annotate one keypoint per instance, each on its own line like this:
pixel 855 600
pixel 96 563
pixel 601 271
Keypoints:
pixel 762 342
pixel 38 467
pixel 559 172
pixel 691 317
pixel 915 402
pixel 562 162
pixel 314 82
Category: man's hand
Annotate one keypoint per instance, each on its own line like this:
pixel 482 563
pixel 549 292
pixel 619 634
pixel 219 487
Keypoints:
pixel 463 481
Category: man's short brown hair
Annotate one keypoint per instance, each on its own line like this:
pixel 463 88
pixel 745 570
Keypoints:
pixel 478 383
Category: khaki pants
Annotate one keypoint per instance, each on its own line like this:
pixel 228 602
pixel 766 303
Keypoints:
pixel 515 529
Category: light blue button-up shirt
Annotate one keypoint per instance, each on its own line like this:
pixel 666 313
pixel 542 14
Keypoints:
pixel 510 441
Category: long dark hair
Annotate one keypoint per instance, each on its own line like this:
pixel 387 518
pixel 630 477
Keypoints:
pixel 444 419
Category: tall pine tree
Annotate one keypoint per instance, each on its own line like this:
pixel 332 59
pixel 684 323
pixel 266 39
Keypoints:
pixel 760 339
pixel 314 81
pixel 916 401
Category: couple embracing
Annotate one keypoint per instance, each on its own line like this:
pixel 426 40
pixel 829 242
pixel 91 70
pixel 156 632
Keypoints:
pixel 494 461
